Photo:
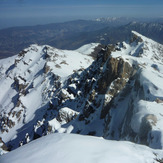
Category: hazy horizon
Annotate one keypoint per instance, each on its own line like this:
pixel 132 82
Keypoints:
pixel 34 12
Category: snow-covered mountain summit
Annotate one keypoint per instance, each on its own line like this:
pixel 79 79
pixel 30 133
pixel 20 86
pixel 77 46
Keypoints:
pixel 30 80
pixel 114 92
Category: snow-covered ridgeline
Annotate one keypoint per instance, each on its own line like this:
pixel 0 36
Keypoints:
pixel 70 148
pixel 30 80
pixel 119 96
pixel 139 111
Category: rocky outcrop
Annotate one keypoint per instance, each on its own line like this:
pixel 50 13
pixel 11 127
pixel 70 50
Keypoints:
pixel 135 38
pixel 46 68
pixel 159 100
pixel 6 123
pixel 20 84
pixel 3 145
pixel 66 115
pixel 22 53
pixel 116 69
pixel 113 79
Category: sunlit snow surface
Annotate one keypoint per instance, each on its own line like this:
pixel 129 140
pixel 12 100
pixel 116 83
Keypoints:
pixel 70 148
pixel 146 56
pixel 29 70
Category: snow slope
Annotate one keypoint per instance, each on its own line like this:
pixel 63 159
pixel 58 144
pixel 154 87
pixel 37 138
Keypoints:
pixel 70 148
pixel 117 96
pixel 87 49
pixel 29 81
pixel 144 97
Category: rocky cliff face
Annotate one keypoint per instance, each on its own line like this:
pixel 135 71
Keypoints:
pixel 118 95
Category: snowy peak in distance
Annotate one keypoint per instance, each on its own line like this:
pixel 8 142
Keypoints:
pixel 113 91
pixel 106 19
pixel 115 21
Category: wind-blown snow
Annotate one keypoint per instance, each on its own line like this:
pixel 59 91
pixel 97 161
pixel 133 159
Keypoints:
pixel 70 148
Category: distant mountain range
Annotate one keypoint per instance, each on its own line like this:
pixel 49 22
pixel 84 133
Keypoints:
pixel 120 33
pixel 73 34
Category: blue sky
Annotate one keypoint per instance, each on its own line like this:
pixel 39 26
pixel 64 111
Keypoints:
pixel 31 12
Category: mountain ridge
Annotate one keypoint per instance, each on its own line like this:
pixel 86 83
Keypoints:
pixel 114 93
